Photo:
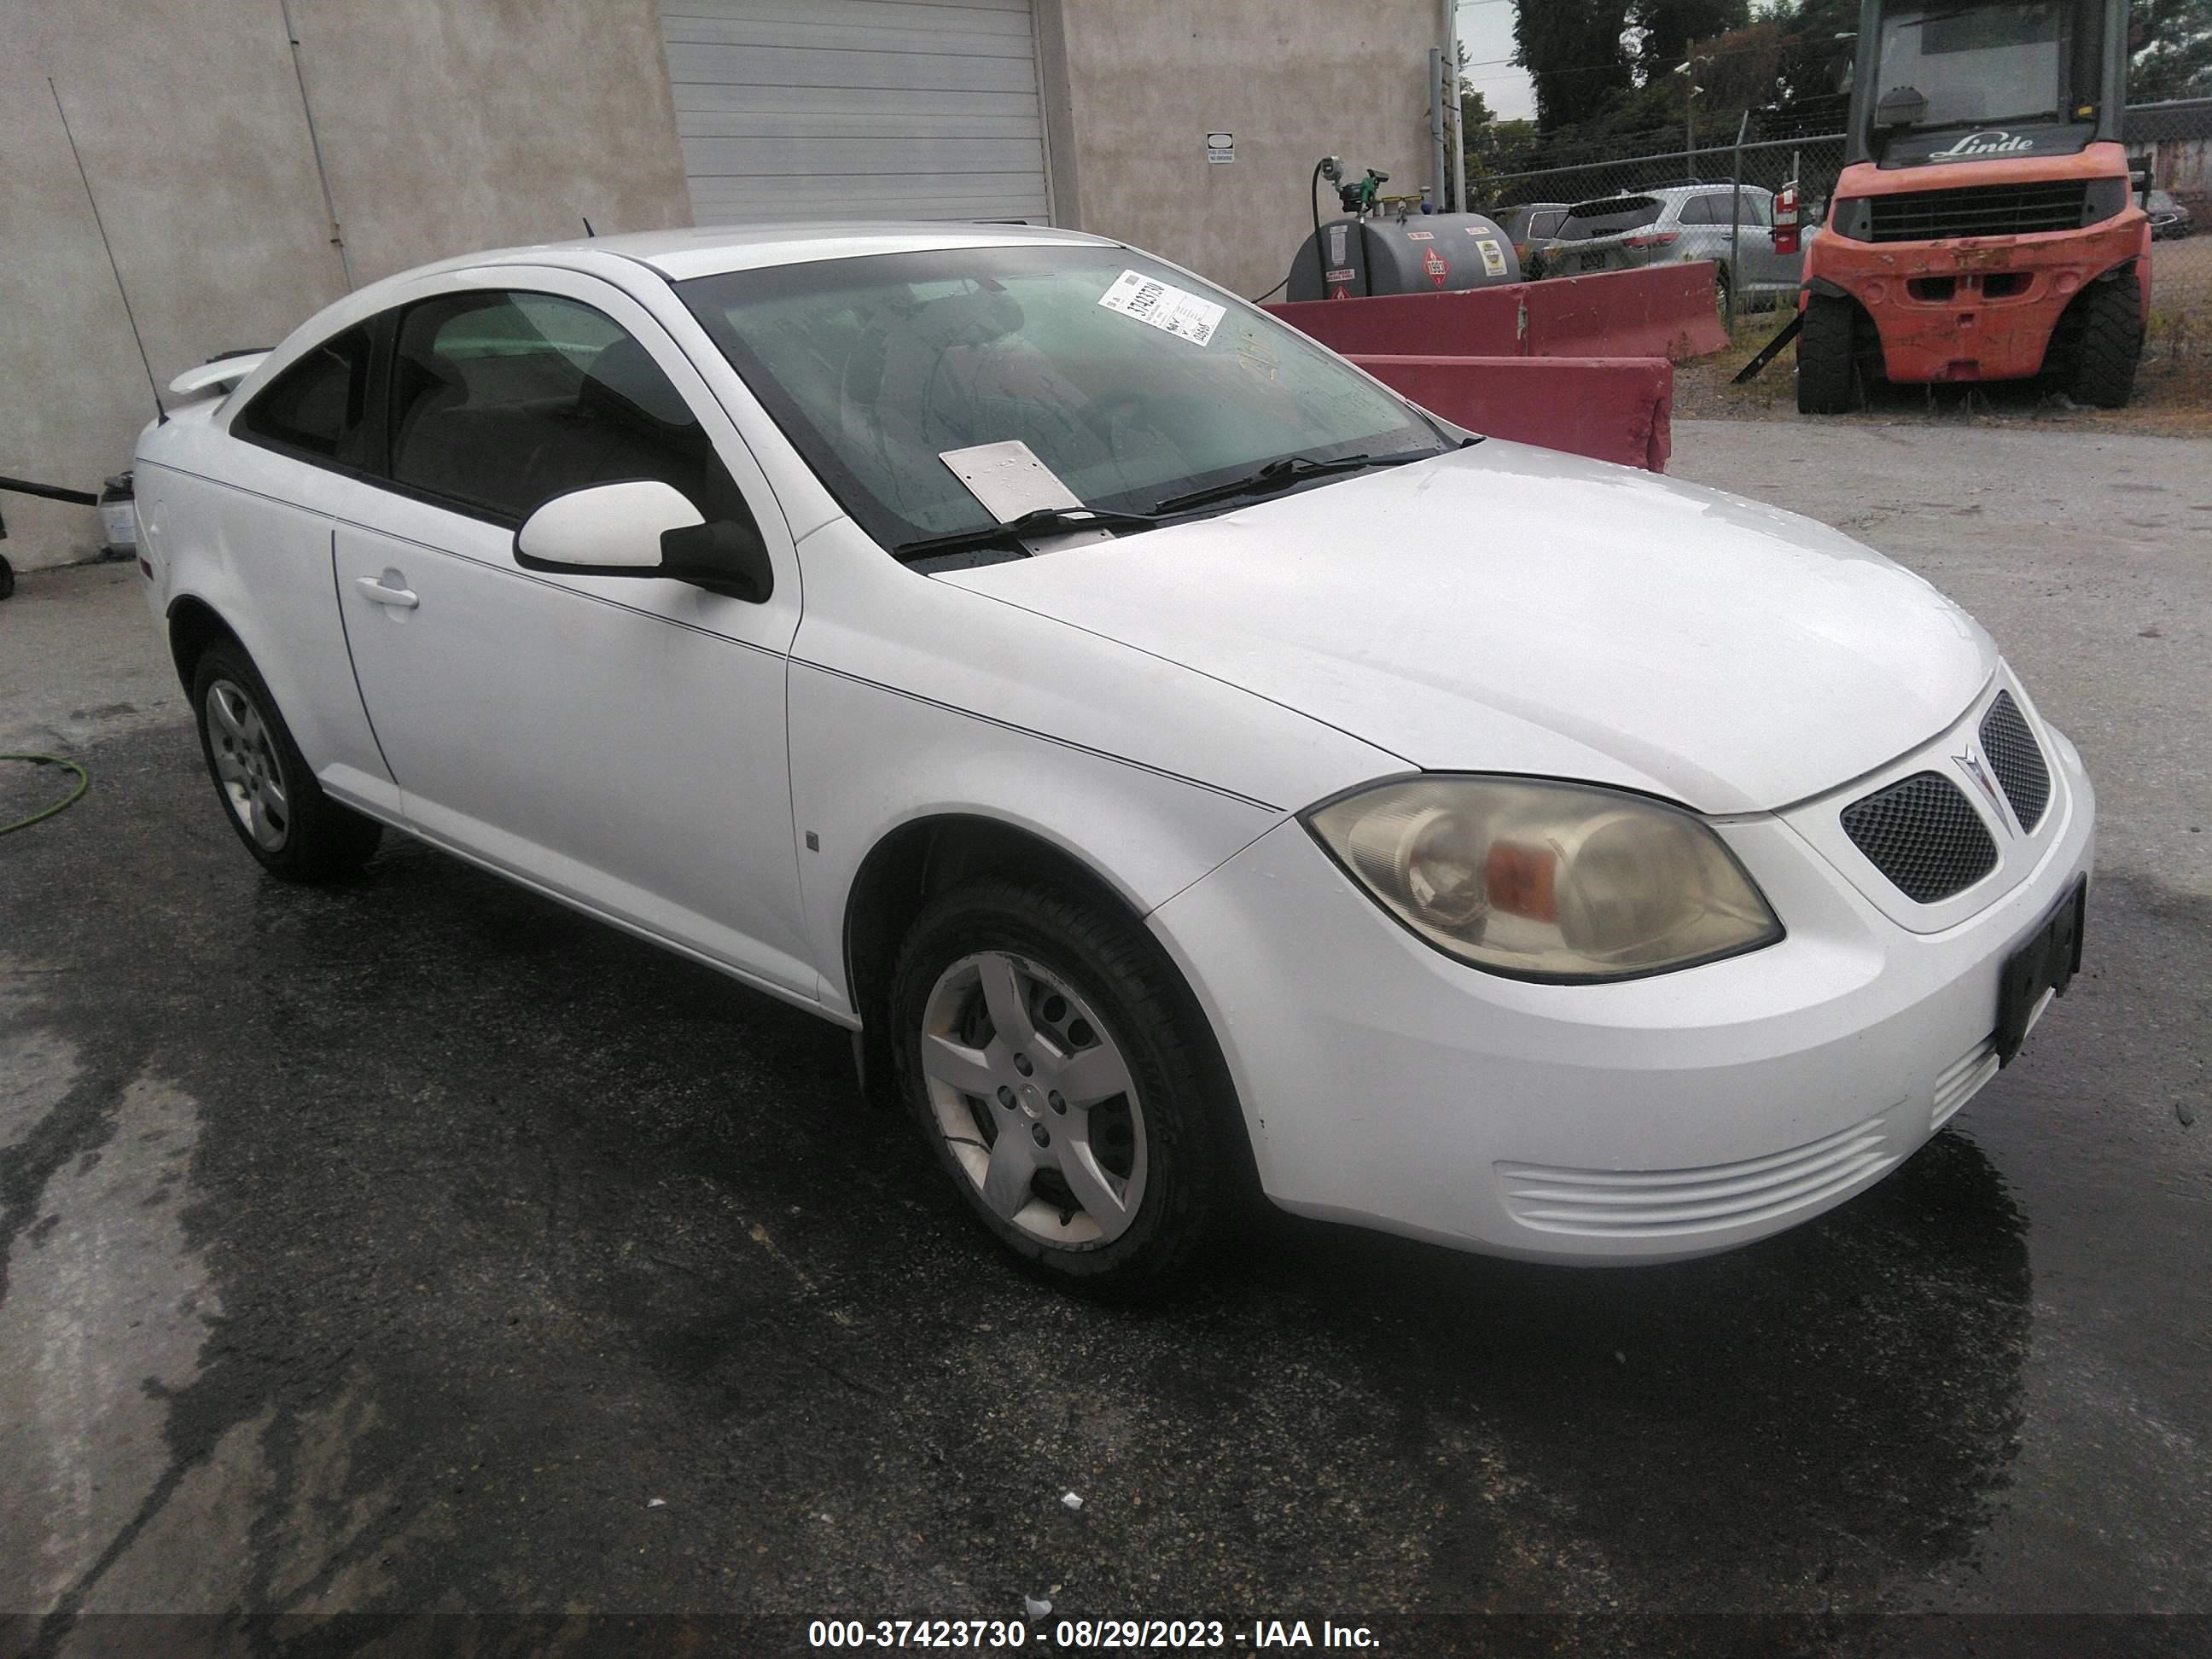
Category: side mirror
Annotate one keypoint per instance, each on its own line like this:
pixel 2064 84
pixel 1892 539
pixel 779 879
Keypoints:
pixel 644 528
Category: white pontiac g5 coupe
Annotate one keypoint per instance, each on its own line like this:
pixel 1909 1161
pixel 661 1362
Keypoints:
pixel 1189 768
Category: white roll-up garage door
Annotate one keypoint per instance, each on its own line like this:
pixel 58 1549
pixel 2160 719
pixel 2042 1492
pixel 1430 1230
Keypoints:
pixel 874 108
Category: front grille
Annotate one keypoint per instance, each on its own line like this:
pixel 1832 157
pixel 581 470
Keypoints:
pixel 1923 216
pixel 1662 1203
pixel 1923 836
pixel 2016 761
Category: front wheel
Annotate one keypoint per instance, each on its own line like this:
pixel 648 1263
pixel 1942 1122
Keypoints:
pixel 2108 345
pixel 1828 378
pixel 1054 1059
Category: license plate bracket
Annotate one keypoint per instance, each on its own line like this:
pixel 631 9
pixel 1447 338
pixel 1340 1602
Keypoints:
pixel 2046 962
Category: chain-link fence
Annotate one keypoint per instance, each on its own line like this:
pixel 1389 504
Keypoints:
pixel 1662 216
pixel 1715 202
pixel 2172 142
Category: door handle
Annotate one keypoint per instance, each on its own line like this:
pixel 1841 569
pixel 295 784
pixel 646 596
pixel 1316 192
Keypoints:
pixel 373 589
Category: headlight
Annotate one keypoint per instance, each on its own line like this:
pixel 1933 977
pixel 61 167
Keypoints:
pixel 1546 881
pixel 2103 199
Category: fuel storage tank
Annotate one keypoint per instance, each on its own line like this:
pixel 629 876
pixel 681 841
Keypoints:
pixel 1418 253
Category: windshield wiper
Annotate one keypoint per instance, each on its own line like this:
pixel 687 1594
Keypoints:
pixel 1279 475
pixel 1044 522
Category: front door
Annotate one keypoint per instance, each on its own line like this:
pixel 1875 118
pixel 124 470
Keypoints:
pixel 619 741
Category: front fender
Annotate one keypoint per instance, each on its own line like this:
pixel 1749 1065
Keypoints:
pixel 867 760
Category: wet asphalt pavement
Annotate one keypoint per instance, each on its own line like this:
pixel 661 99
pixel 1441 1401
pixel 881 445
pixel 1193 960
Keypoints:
pixel 391 1248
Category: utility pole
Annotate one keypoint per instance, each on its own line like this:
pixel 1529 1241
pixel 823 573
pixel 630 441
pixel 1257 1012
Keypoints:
pixel 1689 72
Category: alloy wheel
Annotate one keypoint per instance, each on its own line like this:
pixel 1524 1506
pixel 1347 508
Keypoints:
pixel 246 765
pixel 1034 1099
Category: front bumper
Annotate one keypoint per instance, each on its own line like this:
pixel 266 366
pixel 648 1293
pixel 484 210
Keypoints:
pixel 1978 308
pixel 1388 1086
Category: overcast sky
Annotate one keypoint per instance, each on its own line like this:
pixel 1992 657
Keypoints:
pixel 1486 27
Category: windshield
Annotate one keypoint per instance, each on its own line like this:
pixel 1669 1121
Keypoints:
pixel 1131 382
pixel 1975 64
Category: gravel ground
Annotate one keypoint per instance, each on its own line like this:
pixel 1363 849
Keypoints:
pixel 392 1249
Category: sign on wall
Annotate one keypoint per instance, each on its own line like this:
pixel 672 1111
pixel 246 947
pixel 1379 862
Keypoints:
pixel 1220 146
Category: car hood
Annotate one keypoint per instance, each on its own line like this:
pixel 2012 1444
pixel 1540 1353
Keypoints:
pixel 1514 608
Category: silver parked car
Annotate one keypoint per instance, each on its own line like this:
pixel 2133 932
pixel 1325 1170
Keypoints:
pixel 1681 222
pixel 2169 220
pixel 1532 226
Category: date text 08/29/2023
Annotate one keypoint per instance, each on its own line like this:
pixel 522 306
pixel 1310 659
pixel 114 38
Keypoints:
pixel 1088 1635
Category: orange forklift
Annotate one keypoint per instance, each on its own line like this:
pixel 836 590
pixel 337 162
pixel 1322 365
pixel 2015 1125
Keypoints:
pixel 1983 227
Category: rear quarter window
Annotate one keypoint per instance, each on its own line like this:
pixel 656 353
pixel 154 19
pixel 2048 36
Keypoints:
pixel 315 408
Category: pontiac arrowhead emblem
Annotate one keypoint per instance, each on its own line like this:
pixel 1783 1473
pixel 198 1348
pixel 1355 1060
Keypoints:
pixel 1979 774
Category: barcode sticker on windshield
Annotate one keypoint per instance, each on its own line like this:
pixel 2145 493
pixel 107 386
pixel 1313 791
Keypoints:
pixel 1149 300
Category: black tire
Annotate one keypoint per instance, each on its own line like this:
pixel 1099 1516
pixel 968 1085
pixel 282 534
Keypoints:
pixel 1190 1186
pixel 1828 378
pixel 2108 345
pixel 320 840
pixel 1721 294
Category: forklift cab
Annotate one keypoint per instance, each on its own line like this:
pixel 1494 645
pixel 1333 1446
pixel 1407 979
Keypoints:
pixel 1973 80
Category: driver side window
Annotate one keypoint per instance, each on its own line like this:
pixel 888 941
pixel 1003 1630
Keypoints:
pixel 500 401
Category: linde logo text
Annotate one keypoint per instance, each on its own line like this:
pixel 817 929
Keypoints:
pixel 1983 144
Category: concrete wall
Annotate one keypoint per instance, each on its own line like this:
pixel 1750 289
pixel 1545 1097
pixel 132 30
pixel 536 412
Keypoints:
pixel 1132 87
pixel 445 125
pixel 451 125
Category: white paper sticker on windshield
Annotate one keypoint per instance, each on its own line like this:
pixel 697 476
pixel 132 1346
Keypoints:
pixel 1151 300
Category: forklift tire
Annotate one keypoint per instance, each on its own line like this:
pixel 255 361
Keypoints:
pixel 2110 339
pixel 1828 378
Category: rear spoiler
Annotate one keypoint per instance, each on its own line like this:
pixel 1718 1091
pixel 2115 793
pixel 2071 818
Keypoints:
pixel 223 372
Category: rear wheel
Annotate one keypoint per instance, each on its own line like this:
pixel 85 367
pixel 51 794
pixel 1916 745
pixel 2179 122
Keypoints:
pixel 2109 342
pixel 269 792
pixel 1050 1052
pixel 1828 378
pixel 1721 294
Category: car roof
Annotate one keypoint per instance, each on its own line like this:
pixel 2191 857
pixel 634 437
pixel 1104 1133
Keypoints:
pixel 1671 195
pixel 709 250
pixel 676 256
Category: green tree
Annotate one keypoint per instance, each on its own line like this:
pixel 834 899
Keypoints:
pixel 1667 28
pixel 1573 51
pixel 1813 72
pixel 2169 50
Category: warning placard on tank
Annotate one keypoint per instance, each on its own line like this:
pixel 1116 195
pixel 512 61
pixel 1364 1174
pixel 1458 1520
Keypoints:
pixel 1149 300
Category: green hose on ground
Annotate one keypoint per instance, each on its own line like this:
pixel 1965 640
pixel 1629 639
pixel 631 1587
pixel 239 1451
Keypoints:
pixel 83 783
